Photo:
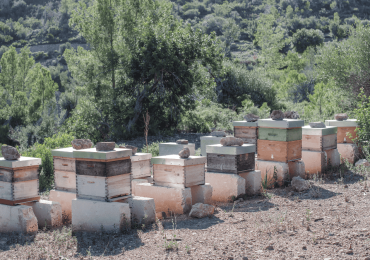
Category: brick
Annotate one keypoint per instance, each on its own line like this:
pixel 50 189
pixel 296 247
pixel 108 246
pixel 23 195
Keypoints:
pixel 18 219
pixel 252 182
pixel 225 186
pixel 201 194
pixel 64 198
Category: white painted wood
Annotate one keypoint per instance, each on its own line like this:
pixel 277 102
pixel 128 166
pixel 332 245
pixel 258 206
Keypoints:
pixel 6 191
pixel 65 164
pixel 168 174
pixel 65 180
pixel 177 160
pixel 91 186
pixel 140 169
pixel 25 189
pixel 119 185
pixel 194 175
pixel 21 162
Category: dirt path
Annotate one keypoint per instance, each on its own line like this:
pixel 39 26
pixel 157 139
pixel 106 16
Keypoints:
pixel 330 221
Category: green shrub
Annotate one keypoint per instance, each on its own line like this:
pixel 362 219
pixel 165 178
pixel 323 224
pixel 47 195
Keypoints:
pixel 153 148
pixel 43 151
pixel 304 38
pixel 362 114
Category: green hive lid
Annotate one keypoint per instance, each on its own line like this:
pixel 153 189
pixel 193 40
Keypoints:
pixel 174 144
pixel 329 130
pixel 344 123
pixel 245 123
pixel 285 123
pixel 92 153
pixel 21 162
pixel 63 152
pixel 231 150
pixel 174 159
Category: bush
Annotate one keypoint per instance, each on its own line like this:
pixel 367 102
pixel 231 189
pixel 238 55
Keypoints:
pixel 43 151
pixel 153 148
pixel 192 13
pixel 362 114
pixel 304 38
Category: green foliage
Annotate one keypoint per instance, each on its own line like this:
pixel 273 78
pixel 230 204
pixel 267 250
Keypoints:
pixel 153 148
pixel 362 114
pixel 43 151
pixel 304 38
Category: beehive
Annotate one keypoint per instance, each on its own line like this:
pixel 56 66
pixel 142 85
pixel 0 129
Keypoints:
pixel 140 165
pixel 177 172
pixel 19 181
pixel 64 169
pixel 247 131
pixel 345 127
pixel 319 139
pixel 230 159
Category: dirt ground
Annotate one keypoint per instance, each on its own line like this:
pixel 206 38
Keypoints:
pixel 329 221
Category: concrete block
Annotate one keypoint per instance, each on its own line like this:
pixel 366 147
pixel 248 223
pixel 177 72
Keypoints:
pixel 48 213
pixel 95 216
pixel 166 199
pixel 297 168
pixel 332 158
pixel 142 210
pixel 201 194
pixel 17 219
pixel 314 161
pixel 348 152
pixel 208 140
pixel 225 186
pixel 252 182
pixel 280 176
pixel 174 148
pixel 64 198
pixel 134 182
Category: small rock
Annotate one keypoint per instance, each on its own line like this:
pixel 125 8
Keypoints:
pixel 277 115
pixel 133 148
pixel 251 118
pixel 182 141
pixel 10 152
pixel 300 184
pixel 291 115
pixel 105 146
pixel 270 248
pixel 317 125
pixel 200 210
pixel 79 144
pixel 341 117
pixel 218 134
pixel 230 141
pixel 184 153
pixel 363 162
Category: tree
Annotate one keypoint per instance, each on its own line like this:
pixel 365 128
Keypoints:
pixel 140 57
pixel 304 38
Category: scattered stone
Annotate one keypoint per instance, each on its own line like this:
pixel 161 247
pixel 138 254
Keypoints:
pixel 277 115
pixel 133 148
pixel 300 184
pixel 218 134
pixel 105 146
pixel 200 210
pixel 291 115
pixel 270 248
pixel 10 152
pixel 79 144
pixel 317 125
pixel 251 118
pixel 184 153
pixel 363 162
pixel 341 117
pixel 230 141
pixel 182 141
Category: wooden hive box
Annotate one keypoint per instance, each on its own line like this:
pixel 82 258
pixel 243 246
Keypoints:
pixel 64 169
pixel 175 148
pixel 231 159
pixel 103 175
pixel 280 134
pixel 247 131
pixel 176 172
pixel 279 151
pixel 319 139
pixel 140 165
pixel 19 180
pixel 344 127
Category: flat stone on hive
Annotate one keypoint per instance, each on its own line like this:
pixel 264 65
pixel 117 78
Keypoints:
pixel 231 141
pixel 317 125
pixel 341 117
pixel 105 146
pixel 182 141
pixel 277 115
pixel 184 153
pixel 174 148
pixel 79 144
pixel 251 118
pixel 10 152
pixel 291 115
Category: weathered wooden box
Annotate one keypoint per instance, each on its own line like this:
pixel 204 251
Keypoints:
pixel 344 127
pixel 64 169
pixel 19 181
pixel 319 139
pixel 279 151
pixel 231 159
pixel 280 134
pixel 247 131
pixel 175 148
pixel 140 165
pixel 174 171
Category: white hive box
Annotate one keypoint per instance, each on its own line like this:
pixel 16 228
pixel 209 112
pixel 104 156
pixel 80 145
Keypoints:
pixel 19 181
pixel 64 169
pixel 208 140
pixel 140 165
pixel 175 148
pixel 174 171
pixel 319 139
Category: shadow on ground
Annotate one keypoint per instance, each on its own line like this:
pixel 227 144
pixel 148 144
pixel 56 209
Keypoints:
pixel 10 240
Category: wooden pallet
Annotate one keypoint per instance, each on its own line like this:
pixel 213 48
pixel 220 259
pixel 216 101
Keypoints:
pixel 279 151
pixel 227 163
pixel 319 142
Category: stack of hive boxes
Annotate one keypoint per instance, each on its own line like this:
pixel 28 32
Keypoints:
pixel 102 177
pixel 280 150
pixel 179 183
pixel 141 169
pixel 346 148
pixel 231 171
pixel 247 131
pixel 319 148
